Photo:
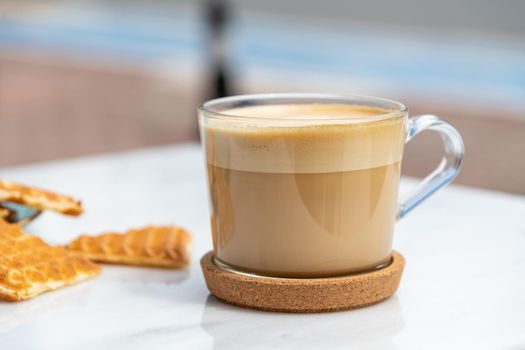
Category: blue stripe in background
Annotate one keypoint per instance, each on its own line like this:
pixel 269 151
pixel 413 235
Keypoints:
pixel 273 46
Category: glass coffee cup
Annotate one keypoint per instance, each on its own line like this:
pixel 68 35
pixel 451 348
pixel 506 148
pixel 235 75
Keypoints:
pixel 306 185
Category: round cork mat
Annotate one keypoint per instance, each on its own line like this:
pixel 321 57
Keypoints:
pixel 303 294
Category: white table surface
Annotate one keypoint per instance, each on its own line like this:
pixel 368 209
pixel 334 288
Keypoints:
pixel 463 285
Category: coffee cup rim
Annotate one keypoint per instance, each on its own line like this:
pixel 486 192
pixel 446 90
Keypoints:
pixel 394 108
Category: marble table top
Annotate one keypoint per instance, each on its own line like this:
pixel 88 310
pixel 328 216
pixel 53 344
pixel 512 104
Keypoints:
pixel 463 285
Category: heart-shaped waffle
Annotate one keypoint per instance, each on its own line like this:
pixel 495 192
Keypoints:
pixel 29 266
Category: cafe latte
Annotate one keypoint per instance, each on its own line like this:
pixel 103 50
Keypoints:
pixel 304 190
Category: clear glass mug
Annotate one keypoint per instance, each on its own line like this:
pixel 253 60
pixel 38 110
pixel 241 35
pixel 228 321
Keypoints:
pixel 306 185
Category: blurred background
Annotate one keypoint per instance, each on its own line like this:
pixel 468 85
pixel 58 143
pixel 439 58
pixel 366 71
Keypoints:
pixel 88 77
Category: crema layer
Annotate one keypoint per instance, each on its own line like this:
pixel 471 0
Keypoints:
pixel 304 138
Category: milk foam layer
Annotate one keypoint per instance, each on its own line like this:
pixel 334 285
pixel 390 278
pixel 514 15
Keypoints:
pixel 305 138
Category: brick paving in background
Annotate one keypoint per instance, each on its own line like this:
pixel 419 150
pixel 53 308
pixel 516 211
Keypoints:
pixel 52 111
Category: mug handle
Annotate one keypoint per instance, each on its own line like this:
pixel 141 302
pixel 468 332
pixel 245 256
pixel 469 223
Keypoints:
pixel 447 170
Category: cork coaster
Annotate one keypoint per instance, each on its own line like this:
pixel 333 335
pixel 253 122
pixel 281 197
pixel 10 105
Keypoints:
pixel 303 295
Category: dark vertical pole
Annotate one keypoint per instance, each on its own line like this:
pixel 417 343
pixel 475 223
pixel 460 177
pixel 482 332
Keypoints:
pixel 217 16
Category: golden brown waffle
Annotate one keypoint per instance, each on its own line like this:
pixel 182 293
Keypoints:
pixel 162 246
pixel 29 267
pixel 39 199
